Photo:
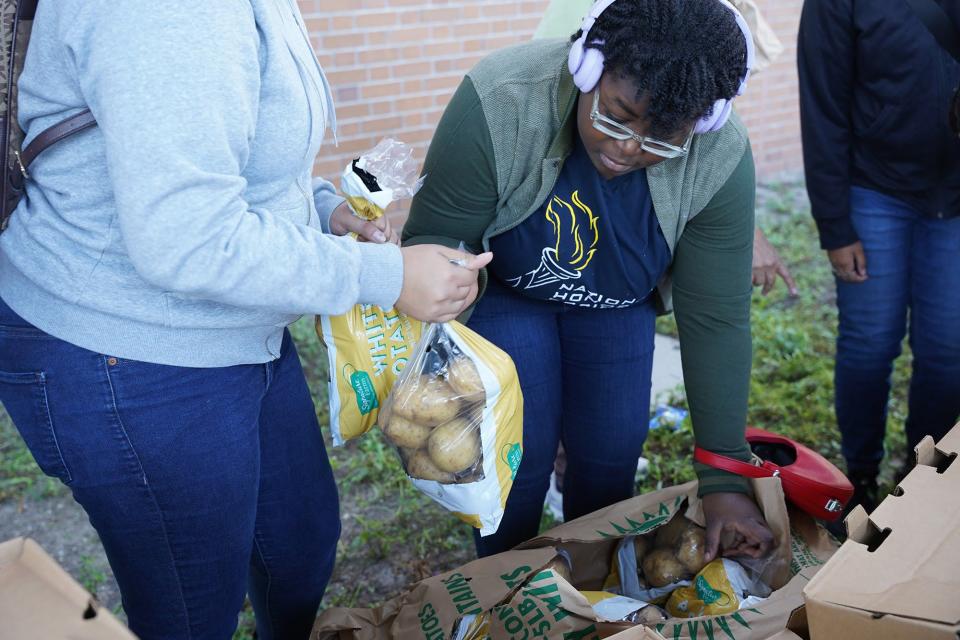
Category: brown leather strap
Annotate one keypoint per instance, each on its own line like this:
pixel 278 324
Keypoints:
pixel 56 133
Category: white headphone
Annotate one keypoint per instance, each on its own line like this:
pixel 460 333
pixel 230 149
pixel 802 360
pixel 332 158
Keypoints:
pixel 586 64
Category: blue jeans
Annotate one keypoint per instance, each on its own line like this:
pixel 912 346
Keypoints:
pixel 913 264
pixel 202 483
pixel 585 376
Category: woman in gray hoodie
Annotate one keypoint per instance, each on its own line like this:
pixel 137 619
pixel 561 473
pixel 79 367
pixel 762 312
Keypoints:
pixel 146 282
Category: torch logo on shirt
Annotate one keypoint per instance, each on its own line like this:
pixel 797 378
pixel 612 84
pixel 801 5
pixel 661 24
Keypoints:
pixel 577 235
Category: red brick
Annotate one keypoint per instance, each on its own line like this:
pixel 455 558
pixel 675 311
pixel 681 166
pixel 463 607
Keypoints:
pixel 399 61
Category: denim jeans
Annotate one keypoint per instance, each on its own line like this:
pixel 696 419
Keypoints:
pixel 913 264
pixel 585 376
pixel 203 484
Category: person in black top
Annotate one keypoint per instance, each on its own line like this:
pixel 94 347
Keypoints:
pixel 883 176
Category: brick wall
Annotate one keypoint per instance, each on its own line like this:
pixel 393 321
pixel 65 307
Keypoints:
pixel 770 108
pixel 393 65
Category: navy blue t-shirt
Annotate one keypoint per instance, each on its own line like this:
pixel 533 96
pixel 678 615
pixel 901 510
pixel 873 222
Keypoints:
pixel 595 243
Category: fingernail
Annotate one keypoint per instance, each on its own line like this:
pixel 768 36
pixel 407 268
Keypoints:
pixel 379 237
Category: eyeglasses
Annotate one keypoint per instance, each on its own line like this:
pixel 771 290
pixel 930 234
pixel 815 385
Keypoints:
pixel 617 131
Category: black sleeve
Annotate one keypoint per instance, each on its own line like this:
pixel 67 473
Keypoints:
pixel 826 62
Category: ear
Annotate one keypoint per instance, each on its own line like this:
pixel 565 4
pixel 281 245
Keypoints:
pixel 717 118
pixel 575 57
pixel 591 68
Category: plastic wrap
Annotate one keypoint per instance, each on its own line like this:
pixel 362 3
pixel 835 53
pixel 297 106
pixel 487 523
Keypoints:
pixel 386 173
pixel 667 567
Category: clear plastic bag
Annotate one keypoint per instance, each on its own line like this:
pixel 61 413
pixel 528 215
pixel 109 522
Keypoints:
pixel 386 173
pixel 667 567
pixel 722 586
pixel 455 416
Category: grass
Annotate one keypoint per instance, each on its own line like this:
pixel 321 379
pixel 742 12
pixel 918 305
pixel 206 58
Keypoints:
pixel 90 575
pixel 20 477
pixel 393 535
pixel 791 389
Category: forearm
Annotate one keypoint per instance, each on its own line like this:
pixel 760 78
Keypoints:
pixel 325 199
pixel 716 355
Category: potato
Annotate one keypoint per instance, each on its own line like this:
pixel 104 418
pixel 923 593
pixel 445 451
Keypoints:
pixel 669 534
pixel 426 400
pixel 475 475
pixel 650 614
pixel 455 446
pixel 464 378
pixel 661 568
pixel 406 434
pixel 419 465
pixel 690 548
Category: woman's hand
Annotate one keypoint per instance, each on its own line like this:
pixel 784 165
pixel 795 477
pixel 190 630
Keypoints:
pixel 849 263
pixel 342 222
pixel 438 283
pixel 767 265
pixel 735 527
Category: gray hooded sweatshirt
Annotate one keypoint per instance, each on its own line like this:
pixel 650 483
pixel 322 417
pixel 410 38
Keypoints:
pixel 184 229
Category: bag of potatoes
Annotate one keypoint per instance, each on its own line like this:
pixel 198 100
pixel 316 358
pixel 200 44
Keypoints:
pixel 456 418
pixel 722 586
pixel 667 566
pixel 367 348
pixel 649 567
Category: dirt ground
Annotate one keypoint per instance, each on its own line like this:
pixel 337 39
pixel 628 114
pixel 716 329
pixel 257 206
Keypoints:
pixel 61 527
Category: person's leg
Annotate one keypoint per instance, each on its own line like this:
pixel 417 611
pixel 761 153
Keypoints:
pixel 527 331
pixel 934 330
pixel 872 324
pixel 607 363
pixel 164 460
pixel 298 517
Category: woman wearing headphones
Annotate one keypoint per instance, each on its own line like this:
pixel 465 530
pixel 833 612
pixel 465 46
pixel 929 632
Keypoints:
pixel 611 179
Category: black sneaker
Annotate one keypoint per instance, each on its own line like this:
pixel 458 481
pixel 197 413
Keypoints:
pixel 865 493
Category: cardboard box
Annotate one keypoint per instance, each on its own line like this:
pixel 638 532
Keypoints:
pixel 38 599
pixel 898 575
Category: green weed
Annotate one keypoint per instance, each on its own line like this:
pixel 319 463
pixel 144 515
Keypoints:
pixel 90 575
pixel 791 388
pixel 246 624
pixel 20 476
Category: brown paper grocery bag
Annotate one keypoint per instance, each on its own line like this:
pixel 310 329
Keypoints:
pixel 592 539
pixel 432 606
pixel 518 596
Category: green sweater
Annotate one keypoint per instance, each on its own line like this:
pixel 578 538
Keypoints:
pixel 495 158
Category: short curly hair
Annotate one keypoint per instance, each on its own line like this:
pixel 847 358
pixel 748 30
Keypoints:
pixel 684 55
